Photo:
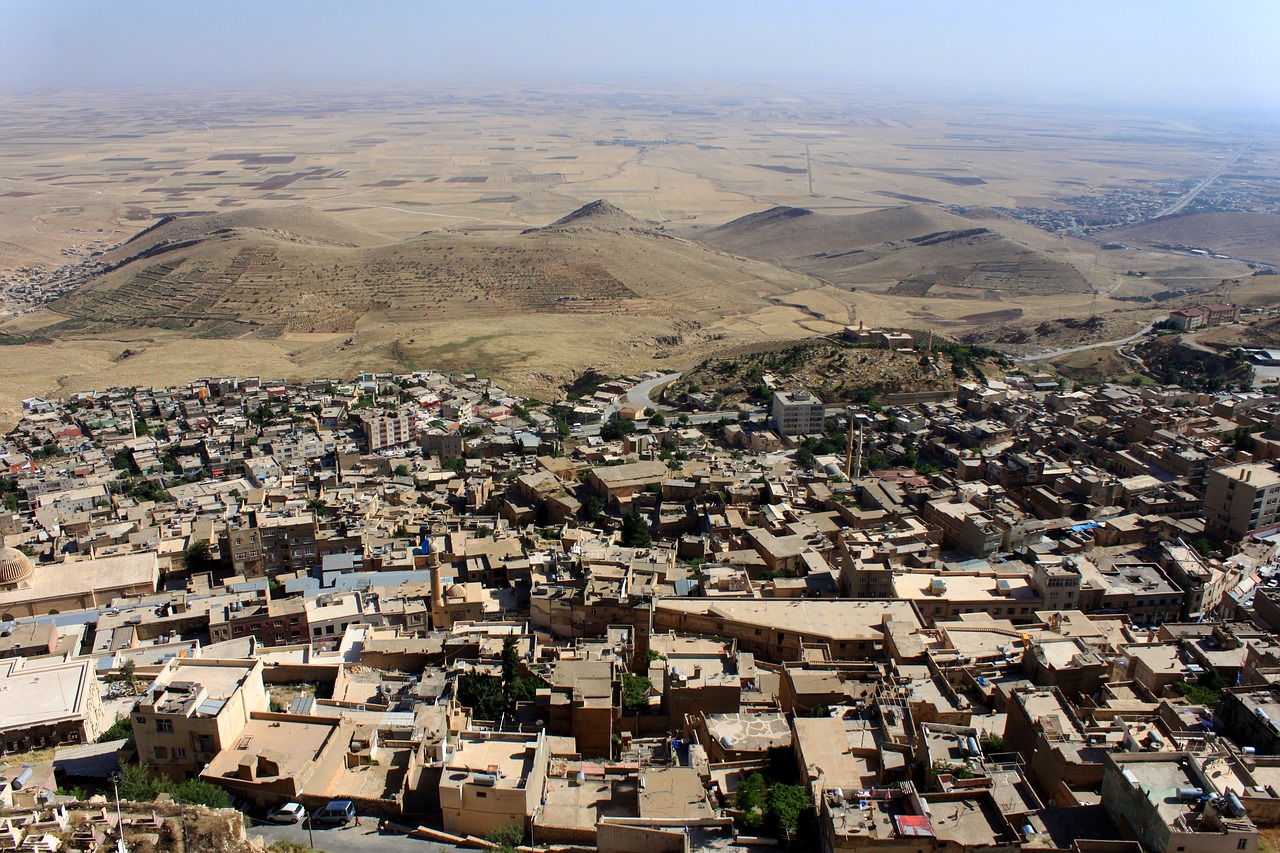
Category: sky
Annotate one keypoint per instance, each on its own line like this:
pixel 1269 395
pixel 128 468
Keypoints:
pixel 1167 53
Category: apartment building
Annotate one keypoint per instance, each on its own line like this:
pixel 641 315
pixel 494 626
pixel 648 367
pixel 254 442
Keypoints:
pixel 193 710
pixel 797 412
pixel 1241 500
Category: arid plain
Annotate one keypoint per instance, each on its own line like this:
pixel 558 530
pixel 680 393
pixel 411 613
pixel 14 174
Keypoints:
pixel 437 190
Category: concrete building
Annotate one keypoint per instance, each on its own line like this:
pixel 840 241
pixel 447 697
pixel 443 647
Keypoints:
pixel 280 758
pixel 493 779
pixel 49 702
pixel 797 413
pixel 1161 798
pixel 194 709
pixel 384 431
pixel 27 590
pixel 1241 500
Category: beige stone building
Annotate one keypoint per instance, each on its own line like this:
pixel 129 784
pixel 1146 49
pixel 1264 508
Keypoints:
pixel 49 702
pixel 493 779
pixel 194 709
pixel 1241 500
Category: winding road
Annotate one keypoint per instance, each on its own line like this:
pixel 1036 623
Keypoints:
pixel 1052 354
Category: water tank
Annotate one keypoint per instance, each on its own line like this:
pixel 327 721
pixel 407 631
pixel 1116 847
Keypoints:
pixel 1028 830
pixel 23 778
pixel 1190 793
pixel 1130 778
pixel 726 742
pixel 487 780
pixel 1249 750
pixel 974 748
pixel 1262 715
pixel 1234 804
pixel 581 778
pixel 839 793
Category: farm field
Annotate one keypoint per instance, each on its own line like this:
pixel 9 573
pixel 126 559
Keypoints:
pixel 322 233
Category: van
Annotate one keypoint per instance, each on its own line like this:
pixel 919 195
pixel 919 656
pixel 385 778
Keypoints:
pixel 336 811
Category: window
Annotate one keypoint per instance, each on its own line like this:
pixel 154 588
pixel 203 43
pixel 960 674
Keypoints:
pixel 179 752
pixel 482 794
pixel 1242 843
pixel 164 726
pixel 162 752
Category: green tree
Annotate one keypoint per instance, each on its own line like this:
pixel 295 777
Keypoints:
pixel 402 470
pixel 505 838
pixel 635 531
pixel 748 799
pixel 615 430
pixel 805 457
pixel 122 728
pixel 783 809
pixel 197 792
pixel 635 691
pixel 196 556
pixel 593 507
pixel 482 693
pixel 658 420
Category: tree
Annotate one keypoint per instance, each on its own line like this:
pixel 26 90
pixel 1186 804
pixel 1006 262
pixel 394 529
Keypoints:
pixel 481 693
pixel 593 507
pixel 121 729
pixel 805 457
pixel 786 802
pixel 635 691
pixel 658 420
pixel 635 531
pixel 748 799
pixel 615 430
pixel 196 556
pixel 129 674
pixel 510 666
pixel 402 470
pixel 197 792
pixel 505 838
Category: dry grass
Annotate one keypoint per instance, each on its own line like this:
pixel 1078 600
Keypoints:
pixel 395 167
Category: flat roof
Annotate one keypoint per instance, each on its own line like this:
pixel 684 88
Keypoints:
pixel 33 692
pixel 292 744
pixel 836 619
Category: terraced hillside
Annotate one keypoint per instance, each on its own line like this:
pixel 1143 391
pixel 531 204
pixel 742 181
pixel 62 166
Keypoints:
pixel 272 273
pixel 907 251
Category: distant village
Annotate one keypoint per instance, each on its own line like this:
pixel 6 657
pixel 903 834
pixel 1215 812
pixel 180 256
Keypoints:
pixel 1012 615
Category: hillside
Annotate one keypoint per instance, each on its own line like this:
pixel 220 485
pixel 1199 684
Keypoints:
pixel 264 272
pixel 290 224
pixel 836 371
pixel 1246 235
pixel 909 251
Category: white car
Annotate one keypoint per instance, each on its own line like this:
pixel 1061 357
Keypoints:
pixel 288 813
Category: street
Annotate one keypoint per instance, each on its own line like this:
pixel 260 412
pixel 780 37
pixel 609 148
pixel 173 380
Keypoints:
pixel 347 839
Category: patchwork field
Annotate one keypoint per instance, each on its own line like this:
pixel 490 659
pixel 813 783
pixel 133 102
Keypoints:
pixel 328 232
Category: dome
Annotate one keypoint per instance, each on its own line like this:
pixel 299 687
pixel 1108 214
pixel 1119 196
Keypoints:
pixel 455 590
pixel 15 568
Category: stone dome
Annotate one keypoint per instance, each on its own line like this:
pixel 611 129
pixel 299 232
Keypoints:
pixel 455 590
pixel 15 568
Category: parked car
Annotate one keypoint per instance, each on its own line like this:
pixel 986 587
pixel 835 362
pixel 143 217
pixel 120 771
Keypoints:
pixel 336 811
pixel 288 813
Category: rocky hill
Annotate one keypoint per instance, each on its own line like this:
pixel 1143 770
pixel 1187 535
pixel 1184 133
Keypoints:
pixel 909 251
pixel 296 271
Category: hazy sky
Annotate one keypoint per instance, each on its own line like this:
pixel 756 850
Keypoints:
pixel 1200 53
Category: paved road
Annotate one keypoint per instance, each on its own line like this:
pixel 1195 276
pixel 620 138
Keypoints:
pixel 1200 187
pixel 350 839
pixel 639 395
pixel 1051 354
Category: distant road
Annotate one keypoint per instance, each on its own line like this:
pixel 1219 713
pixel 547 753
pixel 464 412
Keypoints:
pixel 1200 187
pixel 1052 354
